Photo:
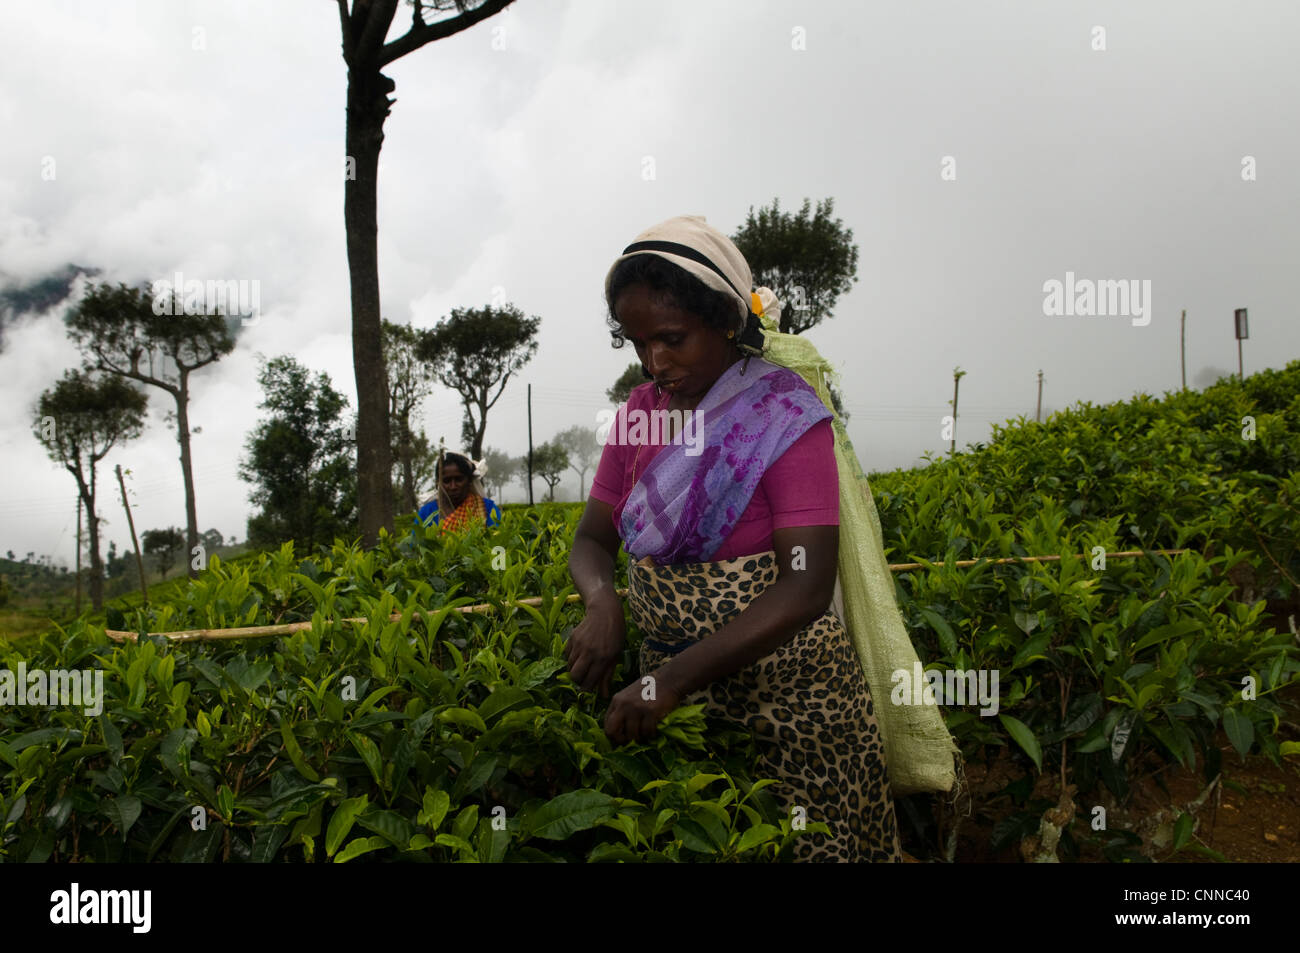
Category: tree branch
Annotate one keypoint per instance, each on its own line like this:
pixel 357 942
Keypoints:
pixel 346 23
pixel 135 375
pixel 187 368
pixel 378 16
pixel 417 37
pixel 504 381
pixel 469 403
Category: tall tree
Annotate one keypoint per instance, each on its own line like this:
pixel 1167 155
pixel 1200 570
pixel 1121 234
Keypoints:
pixel 410 381
pixel 632 377
pixel 119 333
pixel 583 450
pixel 78 421
pixel 550 460
pixel 299 460
pixel 808 260
pixel 501 469
pixel 474 352
pixel 164 545
pixel 364 30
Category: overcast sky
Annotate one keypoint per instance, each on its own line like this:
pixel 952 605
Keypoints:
pixel 976 150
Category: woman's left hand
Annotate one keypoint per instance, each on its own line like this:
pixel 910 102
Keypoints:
pixel 634 717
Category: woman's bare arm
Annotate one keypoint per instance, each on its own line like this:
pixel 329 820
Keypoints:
pixel 595 553
pixel 596 642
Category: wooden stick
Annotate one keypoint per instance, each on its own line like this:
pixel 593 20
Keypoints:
pixel 139 560
pixel 903 567
pixel 289 628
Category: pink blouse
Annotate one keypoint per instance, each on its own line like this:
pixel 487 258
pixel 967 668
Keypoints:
pixel 801 488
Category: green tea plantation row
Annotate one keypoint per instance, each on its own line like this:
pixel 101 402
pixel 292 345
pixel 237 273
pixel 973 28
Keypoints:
pixel 445 736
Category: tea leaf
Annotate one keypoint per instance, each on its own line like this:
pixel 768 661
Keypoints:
pixel 369 753
pixel 1240 730
pixel 358 846
pixel 570 812
pixel 294 751
pixel 758 834
pixel 1024 737
pixel 463 717
pixel 341 822
pixel 946 637
pixel 391 826
pixel 434 809
pixel 123 811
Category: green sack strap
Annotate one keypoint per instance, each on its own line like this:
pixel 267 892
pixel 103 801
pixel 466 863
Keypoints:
pixel 920 753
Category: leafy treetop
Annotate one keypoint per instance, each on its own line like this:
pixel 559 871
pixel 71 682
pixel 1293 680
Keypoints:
pixel 808 259
pixel 474 352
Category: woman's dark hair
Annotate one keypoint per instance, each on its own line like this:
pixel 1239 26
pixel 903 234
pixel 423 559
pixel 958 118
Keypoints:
pixel 457 460
pixel 669 284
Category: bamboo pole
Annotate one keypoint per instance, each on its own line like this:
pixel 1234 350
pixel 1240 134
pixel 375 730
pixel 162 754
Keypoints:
pixel 1129 554
pixel 957 375
pixel 139 560
pixel 1182 344
pixel 289 628
pixel 530 444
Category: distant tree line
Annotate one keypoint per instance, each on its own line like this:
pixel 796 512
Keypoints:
pixel 302 458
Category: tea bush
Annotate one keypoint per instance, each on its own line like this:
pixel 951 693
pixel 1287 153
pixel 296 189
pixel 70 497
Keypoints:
pixel 442 736
pixel 439 738
pixel 1113 672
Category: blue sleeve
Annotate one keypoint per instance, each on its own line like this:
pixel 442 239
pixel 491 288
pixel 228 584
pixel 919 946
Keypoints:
pixel 493 512
pixel 428 510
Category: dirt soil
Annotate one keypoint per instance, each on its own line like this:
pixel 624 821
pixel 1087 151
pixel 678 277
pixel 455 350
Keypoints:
pixel 1258 824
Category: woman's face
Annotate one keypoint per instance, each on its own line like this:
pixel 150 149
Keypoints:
pixel 683 355
pixel 454 483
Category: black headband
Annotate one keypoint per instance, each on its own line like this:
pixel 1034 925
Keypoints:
pixel 686 251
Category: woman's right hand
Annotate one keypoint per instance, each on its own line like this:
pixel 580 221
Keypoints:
pixel 595 645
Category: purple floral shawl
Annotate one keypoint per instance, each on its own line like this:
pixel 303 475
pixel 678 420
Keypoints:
pixel 684 507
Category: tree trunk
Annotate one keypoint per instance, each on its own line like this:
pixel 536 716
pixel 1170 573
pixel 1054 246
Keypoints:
pixel 476 447
pixel 187 468
pixel 96 568
pixel 80 503
pixel 92 532
pixel 408 474
pixel 368 106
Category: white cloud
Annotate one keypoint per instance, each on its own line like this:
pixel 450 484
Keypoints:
pixel 521 167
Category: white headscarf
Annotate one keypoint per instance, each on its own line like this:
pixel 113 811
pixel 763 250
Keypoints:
pixel 476 480
pixel 698 248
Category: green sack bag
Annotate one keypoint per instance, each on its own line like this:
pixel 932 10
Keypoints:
pixel 920 753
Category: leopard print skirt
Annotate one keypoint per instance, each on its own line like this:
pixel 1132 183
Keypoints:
pixel 806 703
